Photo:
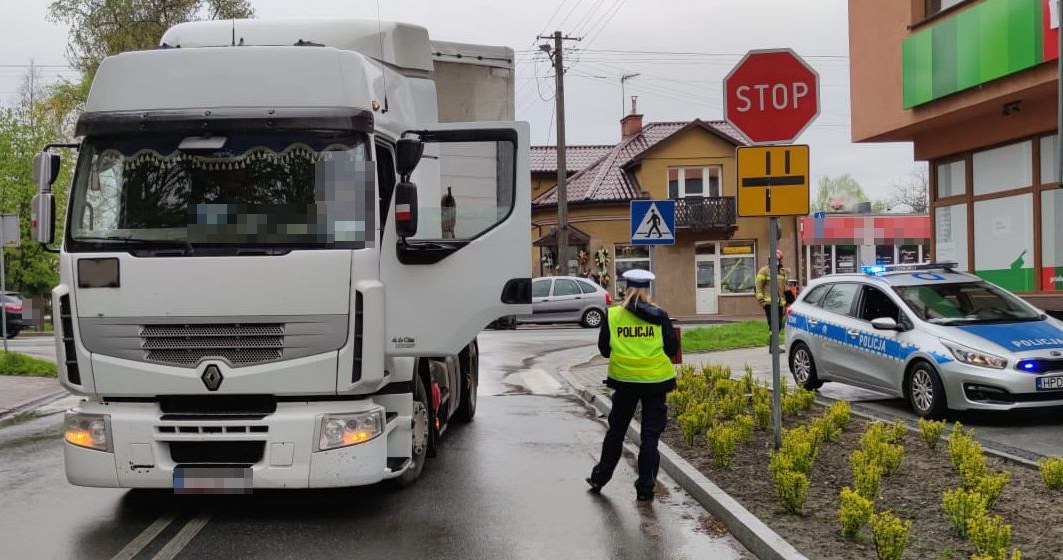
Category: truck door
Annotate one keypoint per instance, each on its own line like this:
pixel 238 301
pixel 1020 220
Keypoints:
pixel 470 261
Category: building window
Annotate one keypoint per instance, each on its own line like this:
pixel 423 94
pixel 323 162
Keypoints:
pixel 950 233
pixel 951 179
pixel 694 181
pixel 935 6
pixel 738 267
pixel 1052 241
pixel 910 254
pixel 628 257
pixel 821 257
pixel 1004 168
pixel 884 254
pixel 845 258
pixel 1049 157
pixel 1003 242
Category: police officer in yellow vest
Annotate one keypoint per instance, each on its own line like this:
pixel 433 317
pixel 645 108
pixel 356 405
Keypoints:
pixel 639 340
pixel 762 289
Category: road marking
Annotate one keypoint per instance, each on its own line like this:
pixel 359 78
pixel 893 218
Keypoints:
pixel 182 538
pixel 144 538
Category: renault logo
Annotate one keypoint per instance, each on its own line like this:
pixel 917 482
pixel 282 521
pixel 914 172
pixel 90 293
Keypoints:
pixel 212 378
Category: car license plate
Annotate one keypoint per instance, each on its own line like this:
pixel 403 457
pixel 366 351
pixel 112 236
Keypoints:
pixel 212 480
pixel 1050 383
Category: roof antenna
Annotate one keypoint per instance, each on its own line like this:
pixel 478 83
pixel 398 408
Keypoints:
pixel 380 35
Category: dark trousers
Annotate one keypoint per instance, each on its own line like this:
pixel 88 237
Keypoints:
pixel 782 316
pixel 654 418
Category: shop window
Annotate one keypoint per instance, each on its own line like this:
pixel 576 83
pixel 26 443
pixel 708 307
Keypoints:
pixel 845 260
pixel 884 254
pixel 738 267
pixel 694 181
pixel 950 232
pixel 628 257
pixel 1004 168
pixel 951 179
pixel 1003 242
pixel 909 254
pixel 1052 241
pixel 1049 159
pixel 822 260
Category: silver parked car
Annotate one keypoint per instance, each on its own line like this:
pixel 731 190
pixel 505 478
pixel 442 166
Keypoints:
pixel 568 299
pixel 938 338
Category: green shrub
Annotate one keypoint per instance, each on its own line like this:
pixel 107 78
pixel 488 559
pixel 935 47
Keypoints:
pixel 825 429
pixel 874 434
pixel 840 413
pixel 792 488
pixel 13 363
pixel 972 466
pixel 886 455
pixel 1015 555
pixel 731 405
pixel 989 535
pixel 855 512
pixel 890 535
pixel 745 424
pixel 762 415
pixel 697 418
pixel 961 506
pixel 799 444
pixel 1052 472
pixel 931 431
pixel 800 400
pixel 723 440
pixel 678 400
pixel 716 372
pixel 748 380
pixel 990 486
pixel 896 432
pixel 867 474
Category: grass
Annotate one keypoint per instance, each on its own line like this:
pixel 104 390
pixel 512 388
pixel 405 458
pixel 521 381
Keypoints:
pixel 747 334
pixel 12 363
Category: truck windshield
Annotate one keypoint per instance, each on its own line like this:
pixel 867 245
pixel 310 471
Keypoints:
pixel 965 303
pixel 307 189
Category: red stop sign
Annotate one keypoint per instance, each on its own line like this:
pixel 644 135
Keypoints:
pixel 771 96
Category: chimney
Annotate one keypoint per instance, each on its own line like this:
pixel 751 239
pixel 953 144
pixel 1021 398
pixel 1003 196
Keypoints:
pixel 631 124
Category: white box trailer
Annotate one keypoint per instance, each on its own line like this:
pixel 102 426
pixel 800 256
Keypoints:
pixel 263 282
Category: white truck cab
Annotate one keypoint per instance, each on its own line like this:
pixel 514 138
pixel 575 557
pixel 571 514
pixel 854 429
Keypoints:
pixel 276 257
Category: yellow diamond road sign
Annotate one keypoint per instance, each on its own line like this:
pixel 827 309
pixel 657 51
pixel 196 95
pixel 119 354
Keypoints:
pixel 773 181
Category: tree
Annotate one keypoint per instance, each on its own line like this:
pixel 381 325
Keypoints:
pixel 912 193
pixel 838 194
pixel 101 28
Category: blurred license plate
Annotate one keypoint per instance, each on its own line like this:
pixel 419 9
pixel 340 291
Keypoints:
pixel 212 480
pixel 1052 383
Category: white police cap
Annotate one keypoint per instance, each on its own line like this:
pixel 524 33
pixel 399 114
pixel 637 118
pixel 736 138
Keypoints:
pixel 638 278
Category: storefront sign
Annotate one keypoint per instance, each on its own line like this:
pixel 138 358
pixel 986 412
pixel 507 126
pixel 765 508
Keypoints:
pixel 738 250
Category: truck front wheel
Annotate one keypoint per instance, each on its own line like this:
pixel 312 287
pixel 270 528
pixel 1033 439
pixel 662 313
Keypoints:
pixel 420 438
pixel 470 381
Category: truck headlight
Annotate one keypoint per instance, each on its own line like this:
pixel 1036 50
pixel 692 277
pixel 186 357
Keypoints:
pixel 341 430
pixel 91 431
pixel 975 357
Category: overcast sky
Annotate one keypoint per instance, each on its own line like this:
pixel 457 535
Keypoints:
pixel 670 87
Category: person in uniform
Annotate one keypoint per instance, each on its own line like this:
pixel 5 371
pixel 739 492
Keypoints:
pixel 762 288
pixel 638 338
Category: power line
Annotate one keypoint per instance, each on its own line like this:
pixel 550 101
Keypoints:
pixel 577 28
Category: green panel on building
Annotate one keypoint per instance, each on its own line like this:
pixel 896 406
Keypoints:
pixel 978 45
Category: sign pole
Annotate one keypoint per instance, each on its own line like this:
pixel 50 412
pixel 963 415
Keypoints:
pixel 776 384
pixel 3 289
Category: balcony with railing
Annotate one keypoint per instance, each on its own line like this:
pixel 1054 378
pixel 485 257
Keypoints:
pixel 712 214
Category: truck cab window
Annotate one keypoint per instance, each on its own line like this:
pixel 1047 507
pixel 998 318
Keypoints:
pixel 385 172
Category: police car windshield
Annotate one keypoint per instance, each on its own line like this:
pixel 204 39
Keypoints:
pixel 964 303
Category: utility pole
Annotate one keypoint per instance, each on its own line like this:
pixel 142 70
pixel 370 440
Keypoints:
pixel 562 170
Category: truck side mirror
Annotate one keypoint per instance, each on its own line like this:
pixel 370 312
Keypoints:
pixel 45 170
pixel 405 209
pixel 409 155
pixel 42 217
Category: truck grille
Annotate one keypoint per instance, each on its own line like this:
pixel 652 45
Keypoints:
pixel 187 345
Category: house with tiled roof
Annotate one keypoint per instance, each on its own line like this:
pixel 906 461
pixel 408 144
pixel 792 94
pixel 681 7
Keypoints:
pixel 711 268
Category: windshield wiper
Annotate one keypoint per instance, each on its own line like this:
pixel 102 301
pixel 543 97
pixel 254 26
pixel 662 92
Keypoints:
pixel 180 243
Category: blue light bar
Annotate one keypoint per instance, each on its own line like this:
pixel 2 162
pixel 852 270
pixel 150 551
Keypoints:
pixel 877 269
pixel 884 268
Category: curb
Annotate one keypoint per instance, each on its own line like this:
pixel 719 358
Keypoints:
pixel 756 536
pixel 32 404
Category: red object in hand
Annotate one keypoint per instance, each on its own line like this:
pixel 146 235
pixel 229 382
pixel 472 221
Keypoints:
pixel 608 298
pixel 678 358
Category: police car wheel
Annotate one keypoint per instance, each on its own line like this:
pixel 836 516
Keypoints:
pixel 925 391
pixel 592 319
pixel 803 367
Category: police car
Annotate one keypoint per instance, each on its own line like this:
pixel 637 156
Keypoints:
pixel 939 338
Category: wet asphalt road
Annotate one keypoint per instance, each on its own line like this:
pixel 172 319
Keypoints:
pixel 508 486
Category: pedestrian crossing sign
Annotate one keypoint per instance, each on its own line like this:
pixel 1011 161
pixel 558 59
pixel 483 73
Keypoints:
pixel 653 222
